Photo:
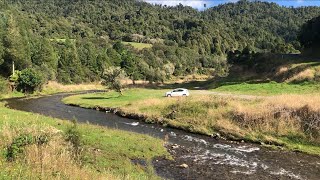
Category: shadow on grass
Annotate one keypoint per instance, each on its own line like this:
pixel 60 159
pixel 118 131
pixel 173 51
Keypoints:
pixel 191 85
pixel 93 98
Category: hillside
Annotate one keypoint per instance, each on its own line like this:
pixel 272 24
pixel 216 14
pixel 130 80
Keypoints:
pixel 185 41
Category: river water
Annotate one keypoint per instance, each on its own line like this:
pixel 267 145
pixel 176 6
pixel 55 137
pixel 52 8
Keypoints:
pixel 206 157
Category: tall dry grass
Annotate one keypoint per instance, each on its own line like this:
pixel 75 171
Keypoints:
pixel 51 160
pixel 285 115
pixel 280 116
pixel 306 75
pixel 53 86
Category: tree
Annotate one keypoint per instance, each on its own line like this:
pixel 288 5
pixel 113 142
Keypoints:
pixel 43 53
pixel 2 33
pixel 309 36
pixel 44 56
pixel 69 66
pixel 17 48
pixel 1 52
pixel 130 65
pixel 86 36
pixel 29 81
pixel 112 77
pixel 169 69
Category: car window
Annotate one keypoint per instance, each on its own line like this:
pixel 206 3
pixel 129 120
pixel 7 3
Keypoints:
pixel 178 90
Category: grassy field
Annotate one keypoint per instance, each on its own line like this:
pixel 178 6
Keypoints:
pixel 138 46
pixel 38 147
pixel 113 99
pixel 271 88
pixel 287 120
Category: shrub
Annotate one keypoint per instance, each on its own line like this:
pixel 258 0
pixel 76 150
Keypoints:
pixel 4 86
pixel 17 146
pixel 310 121
pixel 29 81
pixel 73 135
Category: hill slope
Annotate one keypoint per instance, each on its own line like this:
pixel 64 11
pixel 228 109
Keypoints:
pixel 185 41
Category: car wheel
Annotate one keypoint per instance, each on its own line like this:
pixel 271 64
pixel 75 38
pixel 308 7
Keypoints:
pixel 184 95
pixel 169 95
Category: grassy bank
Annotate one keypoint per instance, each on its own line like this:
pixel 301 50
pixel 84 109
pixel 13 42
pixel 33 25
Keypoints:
pixel 271 88
pixel 38 147
pixel 53 87
pixel 290 121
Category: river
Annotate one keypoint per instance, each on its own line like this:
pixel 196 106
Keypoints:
pixel 206 157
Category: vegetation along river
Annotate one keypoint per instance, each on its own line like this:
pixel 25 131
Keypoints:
pixel 204 157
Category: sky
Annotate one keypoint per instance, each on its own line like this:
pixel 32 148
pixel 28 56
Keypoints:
pixel 199 4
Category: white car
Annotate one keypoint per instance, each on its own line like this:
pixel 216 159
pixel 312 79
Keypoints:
pixel 177 92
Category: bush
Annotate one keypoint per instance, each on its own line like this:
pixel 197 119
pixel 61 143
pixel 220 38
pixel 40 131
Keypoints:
pixel 73 135
pixel 4 86
pixel 17 146
pixel 29 81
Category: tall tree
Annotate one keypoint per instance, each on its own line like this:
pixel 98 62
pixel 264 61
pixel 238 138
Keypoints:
pixel 17 47
pixel 310 33
pixel 130 65
pixel 112 78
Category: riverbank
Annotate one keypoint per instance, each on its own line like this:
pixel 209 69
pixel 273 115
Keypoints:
pixel 53 87
pixel 288 122
pixel 39 147
pixel 270 88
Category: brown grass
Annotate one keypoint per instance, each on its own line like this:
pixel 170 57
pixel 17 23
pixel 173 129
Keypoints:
pixel 281 70
pixel 55 86
pixel 52 160
pixel 285 115
pixel 306 75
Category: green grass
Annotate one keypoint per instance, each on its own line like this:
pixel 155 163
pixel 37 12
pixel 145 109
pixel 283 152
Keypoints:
pixel 116 147
pixel 11 95
pixel 138 46
pixel 113 99
pixel 311 64
pixel 271 88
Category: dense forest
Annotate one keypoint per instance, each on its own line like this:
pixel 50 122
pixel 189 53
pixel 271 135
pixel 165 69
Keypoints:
pixel 74 41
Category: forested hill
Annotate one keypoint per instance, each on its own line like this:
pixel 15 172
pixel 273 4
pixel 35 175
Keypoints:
pixel 259 24
pixel 74 40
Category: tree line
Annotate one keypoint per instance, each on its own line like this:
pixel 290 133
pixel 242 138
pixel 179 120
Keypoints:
pixel 76 41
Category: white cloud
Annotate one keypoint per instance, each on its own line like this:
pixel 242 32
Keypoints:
pixel 300 1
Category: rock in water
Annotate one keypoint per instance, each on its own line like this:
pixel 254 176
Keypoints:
pixel 135 124
pixel 184 166
pixel 175 146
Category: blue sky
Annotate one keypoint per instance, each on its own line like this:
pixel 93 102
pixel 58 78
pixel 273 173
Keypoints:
pixel 198 4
